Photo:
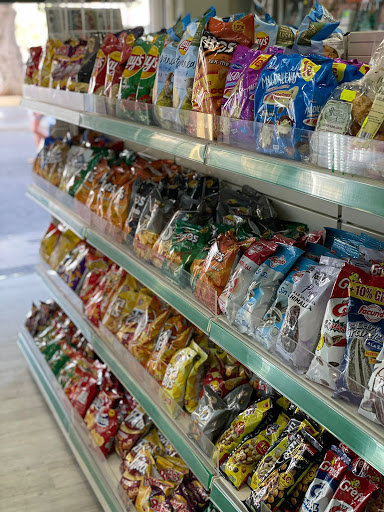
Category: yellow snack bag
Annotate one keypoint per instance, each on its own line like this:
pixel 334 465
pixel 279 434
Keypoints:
pixel 65 244
pixel 245 423
pixel 176 374
pixel 140 466
pixel 121 304
pixel 148 498
pixel 169 470
pixel 195 379
pixel 49 241
pixel 142 347
pixel 245 458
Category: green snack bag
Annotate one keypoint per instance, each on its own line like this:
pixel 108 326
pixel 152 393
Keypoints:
pixel 148 73
pixel 77 179
pixel 133 69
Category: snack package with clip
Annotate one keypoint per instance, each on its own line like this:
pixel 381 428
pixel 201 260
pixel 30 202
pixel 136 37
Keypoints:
pixel 241 426
pixel 245 458
pixel 187 54
pixel 174 335
pixel 288 99
pixel 306 307
pixel 242 276
pixel 148 73
pixel 325 366
pixel 134 67
pixel 326 481
pixel 121 304
pixel 194 384
pixel 176 374
pixel 269 328
pixel 365 335
pixel 217 269
pixel 353 494
pixel 162 94
pixel 32 69
pixel 301 452
pixel 263 287
pixel 218 43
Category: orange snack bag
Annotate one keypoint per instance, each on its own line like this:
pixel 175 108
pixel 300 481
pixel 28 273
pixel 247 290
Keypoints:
pixel 174 336
pixel 217 46
pixel 117 177
pixel 92 181
pixel 142 346
pixel 121 304
pixel 117 212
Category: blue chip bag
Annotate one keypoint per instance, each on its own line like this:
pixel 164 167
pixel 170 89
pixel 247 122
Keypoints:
pixel 290 94
pixel 315 251
pixel 269 328
pixel 268 33
pixel 365 336
pixel 262 290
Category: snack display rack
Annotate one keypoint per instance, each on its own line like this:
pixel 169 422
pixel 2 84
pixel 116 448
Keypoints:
pixel 331 191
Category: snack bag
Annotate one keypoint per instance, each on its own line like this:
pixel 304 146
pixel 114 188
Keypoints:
pixel 245 458
pixel 174 336
pixel 78 158
pixel 140 466
pixel 72 267
pixel 187 53
pixel 176 375
pixel 244 73
pixel 371 405
pixel 290 94
pixel 134 67
pixel 329 353
pixel 365 335
pixel 46 62
pixel 137 204
pixel 148 74
pixel 162 94
pixel 32 69
pixel 134 426
pixel 121 304
pixel 244 424
pixel 301 453
pixel 263 287
pixel 269 328
pixel 84 394
pixel 326 481
pixel 97 265
pixel 242 276
pixel 353 493
pixel 66 243
pixel 92 181
pixel 105 428
pixel 117 212
pixel 218 43
pixel 80 83
pixel 195 379
pixel 306 307
pixel 142 347
pixel 217 269
pixel 269 34
pixel 97 81
pixel 49 241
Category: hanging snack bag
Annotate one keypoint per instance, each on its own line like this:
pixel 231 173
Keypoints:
pixel 187 53
pixel 148 73
pixel 142 346
pixel 353 493
pixel 241 426
pixel 97 81
pixel 241 278
pixel 121 304
pixel 263 287
pixel 290 95
pixel 365 336
pixel 176 375
pixel 269 328
pixel 218 43
pixel 46 62
pixel 326 481
pixel 195 379
pixel 325 366
pixel 306 307
pixel 134 67
pixel 162 94
pixel 32 68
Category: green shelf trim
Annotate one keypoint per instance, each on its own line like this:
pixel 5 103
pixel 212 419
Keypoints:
pixel 224 498
pixel 52 110
pixel 134 382
pixel 107 496
pixel 338 416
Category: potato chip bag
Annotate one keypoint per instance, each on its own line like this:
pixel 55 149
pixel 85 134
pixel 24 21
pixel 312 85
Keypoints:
pixel 72 267
pixel 116 61
pixel 119 175
pixel 134 67
pixel 140 466
pixel 97 265
pixel 32 68
pixel 152 494
pixel 104 429
pixel 46 62
pixel 145 310
pixel 150 441
pixel 92 180
pixel 67 241
pixel 244 424
pixel 132 429
pixel 142 347
pixel 148 73
pixel 117 212
pixel 98 77
pixel 121 304
pixel 174 336
pixel 176 374
pixel 77 159
pixel 195 378
pixel 170 470
pixel 54 161
pixel 218 43
pixel 49 241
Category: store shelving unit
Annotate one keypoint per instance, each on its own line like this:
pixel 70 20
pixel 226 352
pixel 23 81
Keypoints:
pixel 364 437
pixel 97 470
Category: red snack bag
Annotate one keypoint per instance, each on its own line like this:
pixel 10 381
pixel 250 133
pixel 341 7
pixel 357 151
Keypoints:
pixel 105 428
pixel 97 82
pixel 352 495
pixel 116 61
pixel 108 399
pixel 361 468
pixel 83 394
pixel 97 266
pixel 217 46
pixel 32 71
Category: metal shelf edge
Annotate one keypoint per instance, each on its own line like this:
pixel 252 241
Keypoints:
pixel 50 109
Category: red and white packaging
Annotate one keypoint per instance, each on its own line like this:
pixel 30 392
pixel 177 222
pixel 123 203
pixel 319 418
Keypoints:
pixel 352 495
pixel 240 279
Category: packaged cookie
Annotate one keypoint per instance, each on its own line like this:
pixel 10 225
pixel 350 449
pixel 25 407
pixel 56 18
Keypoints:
pixel 244 424
pixel 218 43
